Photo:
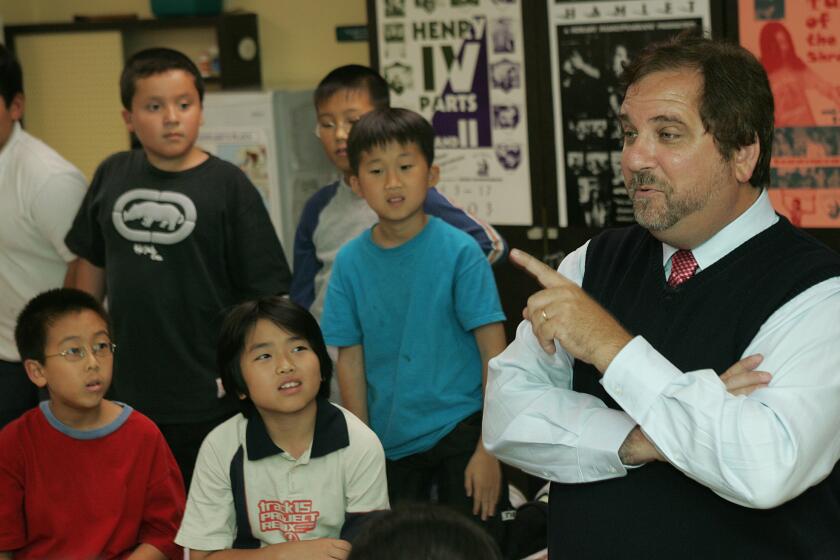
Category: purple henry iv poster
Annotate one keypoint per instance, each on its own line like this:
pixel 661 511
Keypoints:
pixel 460 63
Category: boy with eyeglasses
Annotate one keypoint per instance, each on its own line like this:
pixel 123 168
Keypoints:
pixel 82 476
pixel 336 214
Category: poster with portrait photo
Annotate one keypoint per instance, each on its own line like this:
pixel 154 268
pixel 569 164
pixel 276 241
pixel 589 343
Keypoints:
pixel 798 42
pixel 590 42
pixel 460 64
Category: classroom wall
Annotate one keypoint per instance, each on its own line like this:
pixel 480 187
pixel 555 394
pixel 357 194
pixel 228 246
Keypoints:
pixel 298 48
pixel 297 36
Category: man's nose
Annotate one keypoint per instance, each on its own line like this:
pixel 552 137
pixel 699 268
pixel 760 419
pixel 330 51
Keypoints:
pixel 638 155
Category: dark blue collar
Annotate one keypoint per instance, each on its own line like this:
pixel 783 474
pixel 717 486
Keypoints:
pixel 330 433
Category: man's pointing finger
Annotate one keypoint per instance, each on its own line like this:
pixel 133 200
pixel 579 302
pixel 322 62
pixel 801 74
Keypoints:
pixel 544 274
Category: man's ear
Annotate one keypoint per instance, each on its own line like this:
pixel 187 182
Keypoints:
pixel 434 175
pixel 15 108
pixel 35 373
pixel 126 115
pixel 744 161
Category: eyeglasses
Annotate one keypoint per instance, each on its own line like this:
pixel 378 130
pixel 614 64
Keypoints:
pixel 78 353
pixel 331 129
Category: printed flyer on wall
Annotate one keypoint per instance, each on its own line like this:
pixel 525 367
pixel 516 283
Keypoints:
pixel 460 64
pixel 590 44
pixel 798 42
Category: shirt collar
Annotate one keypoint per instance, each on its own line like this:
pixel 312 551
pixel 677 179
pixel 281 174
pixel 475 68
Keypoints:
pixel 330 433
pixel 13 137
pixel 758 217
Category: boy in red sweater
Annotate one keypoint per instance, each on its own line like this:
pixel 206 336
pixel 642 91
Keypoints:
pixel 82 476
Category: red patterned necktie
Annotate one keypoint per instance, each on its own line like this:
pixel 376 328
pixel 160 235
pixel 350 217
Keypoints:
pixel 683 267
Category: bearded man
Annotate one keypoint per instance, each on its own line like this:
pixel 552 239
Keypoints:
pixel 633 383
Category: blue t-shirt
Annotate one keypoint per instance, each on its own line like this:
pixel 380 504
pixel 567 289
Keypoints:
pixel 413 308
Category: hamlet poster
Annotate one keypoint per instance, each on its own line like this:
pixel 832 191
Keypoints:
pixel 590 43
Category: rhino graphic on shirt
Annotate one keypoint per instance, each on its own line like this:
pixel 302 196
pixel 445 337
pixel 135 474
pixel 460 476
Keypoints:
pixel 165 217
pixel 168 216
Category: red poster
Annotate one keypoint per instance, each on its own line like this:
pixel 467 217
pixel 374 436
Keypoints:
pixel 798 42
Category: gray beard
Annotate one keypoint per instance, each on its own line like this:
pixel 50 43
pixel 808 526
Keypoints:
pixel 657 222
pixel 654 217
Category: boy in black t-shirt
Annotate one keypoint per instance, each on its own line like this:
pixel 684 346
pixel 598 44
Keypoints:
pixel 177 236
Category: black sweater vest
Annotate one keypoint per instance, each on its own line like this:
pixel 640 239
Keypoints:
pixel 707 322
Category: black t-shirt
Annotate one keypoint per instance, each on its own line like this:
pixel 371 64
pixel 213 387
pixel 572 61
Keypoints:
pixel 178 248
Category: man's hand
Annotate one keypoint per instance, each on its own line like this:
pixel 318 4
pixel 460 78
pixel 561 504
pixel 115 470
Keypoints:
pixel 742 379
pixel 564 312
pixel 637 449
pixel 483 482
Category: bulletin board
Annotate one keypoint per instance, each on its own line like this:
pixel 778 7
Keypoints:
pixel 461 64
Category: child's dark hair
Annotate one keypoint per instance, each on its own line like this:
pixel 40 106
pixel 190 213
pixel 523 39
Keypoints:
pixel 354 77
pixel 43 311
pixel 242 319
pixel 384 126
pixel 149 62
pixel 11 75
pixel 424 532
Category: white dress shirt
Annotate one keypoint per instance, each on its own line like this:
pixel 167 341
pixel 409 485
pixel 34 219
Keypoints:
pixel 40 192
pixel 759 450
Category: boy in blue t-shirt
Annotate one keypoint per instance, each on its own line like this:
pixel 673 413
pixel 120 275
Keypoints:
pixel 335 213
pixel 413 307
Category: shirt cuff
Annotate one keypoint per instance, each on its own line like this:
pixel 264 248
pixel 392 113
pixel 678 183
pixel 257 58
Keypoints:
pixel 637 377
pixel 599 443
